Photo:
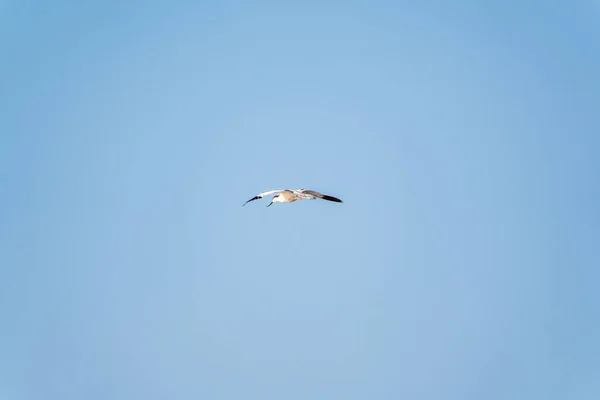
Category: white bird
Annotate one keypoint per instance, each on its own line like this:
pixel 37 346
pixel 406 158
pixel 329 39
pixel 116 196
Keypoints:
pixel 291 195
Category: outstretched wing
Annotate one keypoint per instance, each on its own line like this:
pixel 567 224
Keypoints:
pixel 320 195
pixel 261 195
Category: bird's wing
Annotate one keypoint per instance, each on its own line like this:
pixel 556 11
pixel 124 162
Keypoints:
pixel 268 192
pixel 261 195
pixel 320 196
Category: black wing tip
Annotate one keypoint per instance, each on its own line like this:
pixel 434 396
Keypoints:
pixel 331 198
pixel 252 199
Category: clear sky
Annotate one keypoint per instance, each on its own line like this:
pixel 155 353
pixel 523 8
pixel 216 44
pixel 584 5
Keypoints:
pixel 463 137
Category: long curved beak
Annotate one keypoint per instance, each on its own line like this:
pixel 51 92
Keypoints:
pixel 270 204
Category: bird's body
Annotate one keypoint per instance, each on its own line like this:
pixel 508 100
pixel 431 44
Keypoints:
pixel 287 196
pixel 291 195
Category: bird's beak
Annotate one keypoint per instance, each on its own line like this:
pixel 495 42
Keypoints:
pixel 270 204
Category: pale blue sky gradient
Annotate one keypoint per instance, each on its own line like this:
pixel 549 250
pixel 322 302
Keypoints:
pixel 463 138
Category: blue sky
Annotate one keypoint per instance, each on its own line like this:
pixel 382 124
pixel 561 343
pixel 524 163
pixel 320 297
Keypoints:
pixel 463 139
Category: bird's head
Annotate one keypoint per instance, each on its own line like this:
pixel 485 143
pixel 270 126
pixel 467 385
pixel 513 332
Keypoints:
pixel 275 199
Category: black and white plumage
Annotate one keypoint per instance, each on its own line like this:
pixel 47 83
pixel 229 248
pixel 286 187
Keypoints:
pixel 291 195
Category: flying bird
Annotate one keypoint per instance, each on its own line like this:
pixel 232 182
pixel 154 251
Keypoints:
pixel 291 195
